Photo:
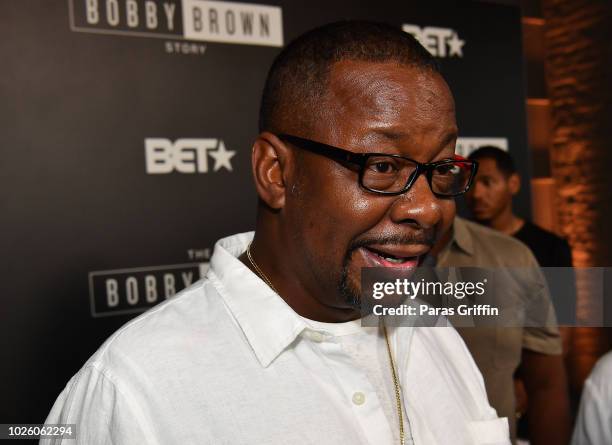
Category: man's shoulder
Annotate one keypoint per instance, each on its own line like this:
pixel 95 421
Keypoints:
pixel 164 330
pixel 515 252
pixel 486 234
pixel 545 236
pixel 602 372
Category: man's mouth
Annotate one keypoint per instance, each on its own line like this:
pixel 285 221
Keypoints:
pixel 392 256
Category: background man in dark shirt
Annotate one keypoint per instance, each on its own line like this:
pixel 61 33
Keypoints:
pixel 490 200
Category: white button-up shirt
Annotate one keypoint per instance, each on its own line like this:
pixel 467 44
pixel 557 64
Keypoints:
pixel 227 361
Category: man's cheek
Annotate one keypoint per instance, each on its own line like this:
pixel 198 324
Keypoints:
pixel 364 204
pixel 449 210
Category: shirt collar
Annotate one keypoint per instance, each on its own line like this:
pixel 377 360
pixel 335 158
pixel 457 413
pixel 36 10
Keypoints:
pixel 462 236
pixel 267 321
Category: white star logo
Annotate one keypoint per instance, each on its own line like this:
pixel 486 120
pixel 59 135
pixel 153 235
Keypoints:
pixel 222 157
pixel 455 45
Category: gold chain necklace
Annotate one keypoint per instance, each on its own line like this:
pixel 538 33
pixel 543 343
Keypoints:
pixel 258 270
pixel 398 397
pixel 398 393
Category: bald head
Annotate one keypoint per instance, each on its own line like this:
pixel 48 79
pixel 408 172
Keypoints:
pixel 295 93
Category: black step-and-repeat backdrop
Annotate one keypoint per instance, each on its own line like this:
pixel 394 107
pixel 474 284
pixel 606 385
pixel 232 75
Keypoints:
pixel 126 128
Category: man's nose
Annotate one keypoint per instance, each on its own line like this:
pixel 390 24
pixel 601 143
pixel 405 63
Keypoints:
pixel 418 206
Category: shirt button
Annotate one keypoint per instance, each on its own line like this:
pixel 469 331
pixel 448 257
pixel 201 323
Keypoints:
pixel 359 398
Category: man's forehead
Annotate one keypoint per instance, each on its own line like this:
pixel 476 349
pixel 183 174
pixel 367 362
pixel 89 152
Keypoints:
pixel 489 166
pixel 388 99
pixel 376 83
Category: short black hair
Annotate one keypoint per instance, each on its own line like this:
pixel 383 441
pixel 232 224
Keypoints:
pixel 502 158
pixel 298 76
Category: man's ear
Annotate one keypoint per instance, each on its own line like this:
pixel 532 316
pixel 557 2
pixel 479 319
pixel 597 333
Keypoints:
pixel 514 183
pixel 272 162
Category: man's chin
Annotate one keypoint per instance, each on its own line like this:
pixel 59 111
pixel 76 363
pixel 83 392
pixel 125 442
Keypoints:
pixel 482 217
pixel 350 289
pixel 351 297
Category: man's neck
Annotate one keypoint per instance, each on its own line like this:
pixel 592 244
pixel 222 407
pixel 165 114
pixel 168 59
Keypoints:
pixel 292 292
pixel 506 222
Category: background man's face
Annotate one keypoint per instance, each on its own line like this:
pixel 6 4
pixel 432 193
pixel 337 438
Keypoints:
pixel 340 227
pixel 490 193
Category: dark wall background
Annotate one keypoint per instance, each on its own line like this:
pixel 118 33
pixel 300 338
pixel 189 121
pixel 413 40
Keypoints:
pixel 78 208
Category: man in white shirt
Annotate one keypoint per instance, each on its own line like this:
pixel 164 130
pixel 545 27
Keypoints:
pixel 594 421
pixel 268 348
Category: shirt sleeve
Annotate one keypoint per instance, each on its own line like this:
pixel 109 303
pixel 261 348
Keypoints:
pixel 545 340
pixel 541 333
pixel 103 413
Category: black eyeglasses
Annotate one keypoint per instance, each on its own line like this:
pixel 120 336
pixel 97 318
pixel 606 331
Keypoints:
pixel 389 174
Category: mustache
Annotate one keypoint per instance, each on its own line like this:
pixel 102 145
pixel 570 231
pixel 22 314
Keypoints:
pixel 426 237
